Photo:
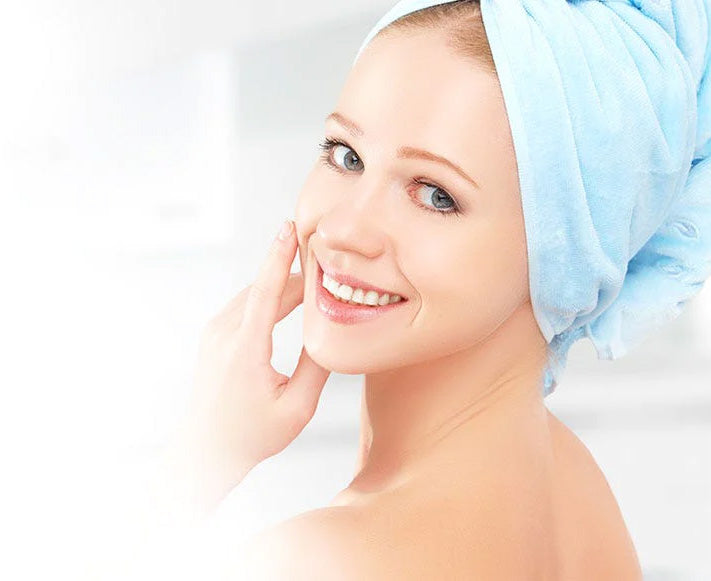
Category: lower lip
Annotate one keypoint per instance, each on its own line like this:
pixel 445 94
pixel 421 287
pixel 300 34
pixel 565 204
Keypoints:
pixel 345 313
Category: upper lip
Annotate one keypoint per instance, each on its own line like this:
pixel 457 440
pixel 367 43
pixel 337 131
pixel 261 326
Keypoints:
pixel 354 282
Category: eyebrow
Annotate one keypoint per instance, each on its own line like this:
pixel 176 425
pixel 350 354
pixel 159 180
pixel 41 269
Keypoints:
pixel 404 152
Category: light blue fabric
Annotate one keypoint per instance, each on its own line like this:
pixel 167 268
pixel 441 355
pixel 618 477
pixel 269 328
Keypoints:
pixel 609 104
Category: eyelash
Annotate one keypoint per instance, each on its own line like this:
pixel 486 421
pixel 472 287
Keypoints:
pixel 327 146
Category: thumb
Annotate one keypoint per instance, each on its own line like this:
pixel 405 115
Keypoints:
pixel 302 393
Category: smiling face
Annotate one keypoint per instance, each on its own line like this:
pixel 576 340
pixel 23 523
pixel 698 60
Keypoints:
pixel 377 209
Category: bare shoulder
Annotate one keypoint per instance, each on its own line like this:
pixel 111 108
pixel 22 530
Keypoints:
pixel 352 543
pixel 595 537
pixel 401 539
pixel 318 544
pixel 576 464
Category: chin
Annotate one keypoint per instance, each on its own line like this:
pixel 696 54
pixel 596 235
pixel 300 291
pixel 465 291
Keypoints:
pixel 328 357
pixel 349 361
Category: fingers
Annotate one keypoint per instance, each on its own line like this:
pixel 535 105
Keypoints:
pixel 293 295
pixel 264 300
pixel 301 394
pixel 232 313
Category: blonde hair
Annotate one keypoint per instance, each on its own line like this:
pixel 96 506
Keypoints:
pixel 463 24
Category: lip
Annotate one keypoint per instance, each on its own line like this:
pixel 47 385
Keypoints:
pixel 345 313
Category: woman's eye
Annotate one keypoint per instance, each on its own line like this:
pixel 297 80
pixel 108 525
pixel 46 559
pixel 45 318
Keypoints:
pixel 440 200
pixel 343 158
pixel 350 157
pixel 343 155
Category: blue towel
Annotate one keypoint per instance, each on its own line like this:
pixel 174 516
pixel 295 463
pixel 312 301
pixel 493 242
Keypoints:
pixel 609 105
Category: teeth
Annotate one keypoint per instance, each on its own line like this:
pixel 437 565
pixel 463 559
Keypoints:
pixel 371 298
pixel 357 296
pixel 344 292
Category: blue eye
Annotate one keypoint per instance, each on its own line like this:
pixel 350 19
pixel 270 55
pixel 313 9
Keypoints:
pixel 331 148
pixel 328 146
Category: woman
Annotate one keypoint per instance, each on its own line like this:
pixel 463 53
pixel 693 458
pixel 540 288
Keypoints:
pixel 419 200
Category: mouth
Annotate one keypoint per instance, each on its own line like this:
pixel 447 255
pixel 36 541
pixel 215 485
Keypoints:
pixel 344 310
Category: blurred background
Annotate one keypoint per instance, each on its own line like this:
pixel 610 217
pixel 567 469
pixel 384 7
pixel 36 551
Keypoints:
pixel 149 152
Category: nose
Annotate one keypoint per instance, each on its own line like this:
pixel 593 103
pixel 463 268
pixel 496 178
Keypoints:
pixel 354 225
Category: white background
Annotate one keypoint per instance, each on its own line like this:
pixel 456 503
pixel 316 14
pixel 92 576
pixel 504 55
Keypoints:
pixel 149 151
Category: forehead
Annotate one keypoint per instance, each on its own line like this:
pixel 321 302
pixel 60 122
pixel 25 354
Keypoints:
pixel 409 86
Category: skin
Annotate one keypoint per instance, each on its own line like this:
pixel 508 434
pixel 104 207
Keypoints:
pixel 241 410
pixel 465 352
pixel 451 394
pixel 462 471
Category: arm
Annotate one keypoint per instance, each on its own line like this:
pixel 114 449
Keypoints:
pixel 190 478
pixel 159 519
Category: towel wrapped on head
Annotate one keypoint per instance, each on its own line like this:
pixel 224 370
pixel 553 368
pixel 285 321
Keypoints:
pixel 609 105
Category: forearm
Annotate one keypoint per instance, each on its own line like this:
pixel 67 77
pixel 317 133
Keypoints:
pixel 158 518
pixel 191 478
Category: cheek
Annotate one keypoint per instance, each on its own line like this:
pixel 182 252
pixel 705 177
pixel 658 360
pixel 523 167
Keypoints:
pixel 472 282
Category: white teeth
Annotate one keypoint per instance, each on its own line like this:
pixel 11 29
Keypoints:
pixel 371 298
pixel 344 292
pixel 357 296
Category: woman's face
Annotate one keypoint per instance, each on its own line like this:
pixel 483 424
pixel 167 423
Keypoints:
pixel 366 216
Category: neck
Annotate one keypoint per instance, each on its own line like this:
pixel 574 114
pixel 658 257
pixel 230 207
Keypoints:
pixel 476 399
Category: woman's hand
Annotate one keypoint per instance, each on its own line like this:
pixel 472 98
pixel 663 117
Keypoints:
pixel 242 410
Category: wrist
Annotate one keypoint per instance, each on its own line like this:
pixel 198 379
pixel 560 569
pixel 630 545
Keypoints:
pixel 203 473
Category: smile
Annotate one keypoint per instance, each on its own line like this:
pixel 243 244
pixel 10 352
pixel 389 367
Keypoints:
pixel 342 303
pixel 359 296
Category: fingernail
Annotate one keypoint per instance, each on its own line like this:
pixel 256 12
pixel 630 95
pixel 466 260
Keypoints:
pixel 285 231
